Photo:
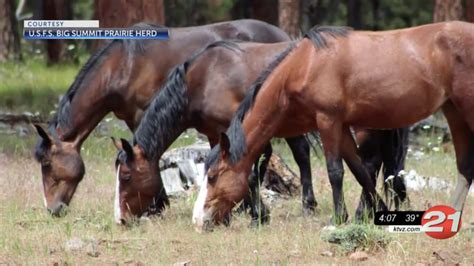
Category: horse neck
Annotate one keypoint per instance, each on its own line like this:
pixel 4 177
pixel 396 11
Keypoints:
pixel 90 104
pixel 264 119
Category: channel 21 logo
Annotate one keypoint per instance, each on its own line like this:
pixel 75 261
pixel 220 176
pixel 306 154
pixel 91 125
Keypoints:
pixel 441 222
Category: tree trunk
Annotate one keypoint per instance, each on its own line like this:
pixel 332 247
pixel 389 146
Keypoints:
pixel 375 14
pixel 354 16
pixel 289 14
pixel 446 10
pixel 124 13
pixel 265 10
pixel 9 39
pixel 57 9
pixel 470 11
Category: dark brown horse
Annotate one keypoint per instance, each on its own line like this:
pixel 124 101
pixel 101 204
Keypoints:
pixel 335 78
pixel 121 78
pixel 203 93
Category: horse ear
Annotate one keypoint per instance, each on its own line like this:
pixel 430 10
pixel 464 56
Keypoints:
pixel 42 133
pixel 117 143
pixel 224 142
pixel 127 148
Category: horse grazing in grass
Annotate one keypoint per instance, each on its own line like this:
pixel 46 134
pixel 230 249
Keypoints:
pixel 121 78
pixel 336 78
pixel 203 93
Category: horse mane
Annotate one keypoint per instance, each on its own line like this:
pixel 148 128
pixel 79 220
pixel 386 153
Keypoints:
pixel 235 131
pixel 131 46
pixel 62 117
pixel 164 115
pixel 317 34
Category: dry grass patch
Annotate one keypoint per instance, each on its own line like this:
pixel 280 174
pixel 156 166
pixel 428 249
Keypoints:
pixel 29 236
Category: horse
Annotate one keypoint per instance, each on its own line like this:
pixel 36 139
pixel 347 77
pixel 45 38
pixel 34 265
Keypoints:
pixel 203 93
pixel 121 78
pixel 335 78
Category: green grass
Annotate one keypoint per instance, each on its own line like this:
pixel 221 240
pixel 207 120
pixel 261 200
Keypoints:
pixel 358 237
pixel 33 87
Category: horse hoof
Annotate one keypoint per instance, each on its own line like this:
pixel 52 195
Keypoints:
pixel 256 223
pixel 307 212
pixel 310 212
pixel 309 208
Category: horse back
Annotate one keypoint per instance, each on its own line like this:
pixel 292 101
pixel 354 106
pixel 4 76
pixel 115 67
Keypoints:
pixel 218 80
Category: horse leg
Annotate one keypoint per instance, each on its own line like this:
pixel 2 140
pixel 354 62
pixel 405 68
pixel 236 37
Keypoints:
pixel 393 157
pixel 369 152
pixel 463 140
pixel 353 161
pixel 300 148
pixel 259 212
pixel 330 132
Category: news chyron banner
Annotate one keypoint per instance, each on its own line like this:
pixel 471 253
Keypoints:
pixel 87 29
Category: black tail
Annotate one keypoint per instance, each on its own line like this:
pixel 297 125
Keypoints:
pixel 314 140
pixel 394 152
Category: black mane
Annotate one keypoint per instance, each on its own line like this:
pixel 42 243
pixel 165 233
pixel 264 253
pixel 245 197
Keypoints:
pixel 317 34
pixel 235 131
pixel 163 119
pixel 62 117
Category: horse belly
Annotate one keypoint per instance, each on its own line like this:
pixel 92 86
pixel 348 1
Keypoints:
pixel 393 89
pixel 395 106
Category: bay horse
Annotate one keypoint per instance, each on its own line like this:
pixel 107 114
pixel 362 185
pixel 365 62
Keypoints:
pixel 203 93
pixel 335 78
pixel 121 78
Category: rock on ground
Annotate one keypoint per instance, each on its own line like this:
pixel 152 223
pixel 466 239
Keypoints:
pixel 183 168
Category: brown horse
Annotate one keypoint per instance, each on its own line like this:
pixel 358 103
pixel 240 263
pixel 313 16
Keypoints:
pixel 335 78
pixel 203 93
pixel 121 78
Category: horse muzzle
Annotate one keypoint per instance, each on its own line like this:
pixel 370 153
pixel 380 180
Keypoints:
pixel 203 222
pixel 204 226
pixel 58 209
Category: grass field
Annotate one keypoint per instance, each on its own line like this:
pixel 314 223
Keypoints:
pixel 30 86
pixel 88 235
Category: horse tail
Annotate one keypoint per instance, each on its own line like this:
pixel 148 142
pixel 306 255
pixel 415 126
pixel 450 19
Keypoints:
pixel 393 158
pixel 314 140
